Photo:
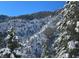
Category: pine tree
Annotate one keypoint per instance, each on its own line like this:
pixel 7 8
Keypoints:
pixel 67 44
pixel 12 44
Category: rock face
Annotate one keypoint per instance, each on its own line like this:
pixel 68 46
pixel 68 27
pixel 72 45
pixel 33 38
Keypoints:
pixel 67 44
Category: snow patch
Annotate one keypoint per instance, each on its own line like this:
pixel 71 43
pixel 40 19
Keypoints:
pixel 17 52
pixel 76 42
pixel 7 37
pixel 77 24
pixel 68 22
pixel 77 29
pixel 65 55
pixel 71 44
pixel 12 55
pixel 16 37
pixel 58 23
pixel 4 51
pixel 68 36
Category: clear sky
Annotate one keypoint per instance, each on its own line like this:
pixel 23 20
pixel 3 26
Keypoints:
pixel 13 8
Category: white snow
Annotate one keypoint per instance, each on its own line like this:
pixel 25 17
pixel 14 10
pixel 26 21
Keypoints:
pixel 66 11
pixel 65 32
pixel 73 56
pixel 7 37
pixel 77 29
pixel 31 27
pixel 76 42
pixel 22 44
pixel 17 52
pixel 16 37
pixel 4 51
pixel 27 41
pixel 61 53
pixel 65 55
pixel 59 39
pixel 68 22
pixel 12 55
pixel 58 23
pixel 77 24
pixel 71 44
pixel 10 29
pixel 67 36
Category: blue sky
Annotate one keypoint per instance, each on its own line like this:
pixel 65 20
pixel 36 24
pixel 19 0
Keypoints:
pixel 14 8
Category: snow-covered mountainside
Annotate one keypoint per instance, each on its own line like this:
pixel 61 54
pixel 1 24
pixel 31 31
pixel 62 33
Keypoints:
pixel 67 44
pixel 50 36
pixel 33 35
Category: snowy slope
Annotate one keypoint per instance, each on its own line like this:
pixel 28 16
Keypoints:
pixel 36 42
pixel 34 35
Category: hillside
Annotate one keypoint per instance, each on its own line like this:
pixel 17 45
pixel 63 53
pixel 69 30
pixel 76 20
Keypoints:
pixel 42 34
pixel 32 30
pixel 32 16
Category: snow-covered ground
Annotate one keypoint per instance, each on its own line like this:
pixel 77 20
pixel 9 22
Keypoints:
pixel 32 34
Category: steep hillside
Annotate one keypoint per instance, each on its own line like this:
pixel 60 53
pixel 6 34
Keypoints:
pixel 34 36
pixel 67 44
pixel 41 35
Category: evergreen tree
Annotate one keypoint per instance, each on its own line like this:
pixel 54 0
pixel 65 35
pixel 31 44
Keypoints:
pixel 12 44
pixel 67 44
pixel 12 41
